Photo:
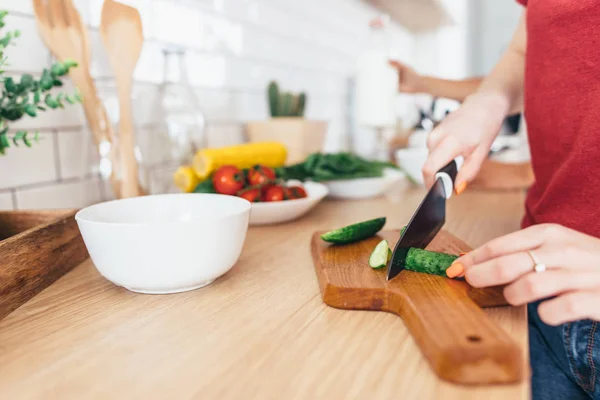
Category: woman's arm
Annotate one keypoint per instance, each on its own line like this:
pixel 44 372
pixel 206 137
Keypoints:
pixel 507 78
pixel 471 130
pixel 412 82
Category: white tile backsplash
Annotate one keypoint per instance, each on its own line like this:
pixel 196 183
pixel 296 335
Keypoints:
pixel 78 154
pixel 234 48
pixel 20 6
pixel 69 194
pixel 6 202
pixel 25 166
pixel 30 53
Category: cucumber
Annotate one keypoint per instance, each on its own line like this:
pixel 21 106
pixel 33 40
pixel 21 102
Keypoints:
pixel 380 255
pixel 355 232
pixel 428 262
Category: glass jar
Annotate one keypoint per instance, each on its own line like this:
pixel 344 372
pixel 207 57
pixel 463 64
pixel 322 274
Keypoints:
pixel 178 127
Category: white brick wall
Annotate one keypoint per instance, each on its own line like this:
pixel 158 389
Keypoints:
pixel 235 47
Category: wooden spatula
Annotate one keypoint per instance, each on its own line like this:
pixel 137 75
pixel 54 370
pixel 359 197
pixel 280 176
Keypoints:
pixel 121 29
pixel 65 35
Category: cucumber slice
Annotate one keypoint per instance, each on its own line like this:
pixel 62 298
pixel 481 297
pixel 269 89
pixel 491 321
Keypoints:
pixel 390 253
pixel 355 232
pixel 380 255
pixel 428 262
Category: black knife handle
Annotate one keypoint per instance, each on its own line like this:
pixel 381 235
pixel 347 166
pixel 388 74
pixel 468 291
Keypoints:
pixel 448 175
pixel 451 169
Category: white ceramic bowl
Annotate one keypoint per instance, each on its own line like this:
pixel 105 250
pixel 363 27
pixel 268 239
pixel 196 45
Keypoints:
pixel 365 188
pixel 165 243
pixel 411 160
pixel 288 210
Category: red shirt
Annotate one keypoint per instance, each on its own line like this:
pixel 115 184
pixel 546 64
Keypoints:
pixel 562 109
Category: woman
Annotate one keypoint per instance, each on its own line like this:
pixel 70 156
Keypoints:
pixel 553 264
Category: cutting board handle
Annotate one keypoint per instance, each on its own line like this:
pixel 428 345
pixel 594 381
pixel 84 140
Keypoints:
pixel 462 344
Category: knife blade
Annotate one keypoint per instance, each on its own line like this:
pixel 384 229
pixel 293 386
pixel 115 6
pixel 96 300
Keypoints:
pixel 427 220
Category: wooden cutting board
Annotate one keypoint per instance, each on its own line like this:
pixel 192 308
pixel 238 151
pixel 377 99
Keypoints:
pixel 444 316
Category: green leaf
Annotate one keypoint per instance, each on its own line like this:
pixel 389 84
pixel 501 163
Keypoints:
pixel 27 81
pixel 11 114
pixel 47 81
pixel 37 96
pixel 5 41
pixel 68 63
pixel 58 69
pixel 50 102
pixel 30 109
pixel 20 135
pixel 78 97
pixel 9 85
pixel 4 143
pixel 59 99
pixel 41 108
pixel 70 99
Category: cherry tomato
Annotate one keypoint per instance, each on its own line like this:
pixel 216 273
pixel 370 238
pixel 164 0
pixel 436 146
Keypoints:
pixel 260 174
pixel 296 192
pixel 273 193
pixel 228 179
pixel 252 194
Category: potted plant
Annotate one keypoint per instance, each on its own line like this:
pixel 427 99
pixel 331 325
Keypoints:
pixel 27 95
pixel 288 126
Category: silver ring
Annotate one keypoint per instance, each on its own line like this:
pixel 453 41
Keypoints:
pixel 538 266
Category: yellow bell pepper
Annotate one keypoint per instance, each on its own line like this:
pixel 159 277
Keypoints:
pixel 270 154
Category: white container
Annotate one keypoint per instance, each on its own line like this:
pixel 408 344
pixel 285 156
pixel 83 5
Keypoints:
pixel 412 160
pixel 376 81
pixel 288 210
pixel 365 188
pixel 165 243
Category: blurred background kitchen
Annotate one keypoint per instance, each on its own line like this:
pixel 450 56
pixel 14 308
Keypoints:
pixel 211 61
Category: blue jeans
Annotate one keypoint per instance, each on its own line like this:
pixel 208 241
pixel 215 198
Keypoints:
pixel 565 359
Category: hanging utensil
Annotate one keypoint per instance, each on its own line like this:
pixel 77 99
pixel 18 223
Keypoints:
pixel 121 29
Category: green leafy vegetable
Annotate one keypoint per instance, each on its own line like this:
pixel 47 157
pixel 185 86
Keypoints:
pixel 320 167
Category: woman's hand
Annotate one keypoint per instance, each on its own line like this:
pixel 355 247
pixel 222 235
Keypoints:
pixel 410 80
pixel 468 132
pixel 571 280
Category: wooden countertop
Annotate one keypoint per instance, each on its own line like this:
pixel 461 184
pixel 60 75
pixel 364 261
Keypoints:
pixel 259 332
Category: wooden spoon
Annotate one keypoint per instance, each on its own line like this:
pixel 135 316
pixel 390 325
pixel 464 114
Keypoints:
pixel 65 35
pixel 121 29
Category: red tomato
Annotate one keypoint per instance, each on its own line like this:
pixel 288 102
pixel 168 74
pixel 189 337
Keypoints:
pixel 273 193
pixel 228 179
pixel 260 174
pixel 296 192
pixel 252 194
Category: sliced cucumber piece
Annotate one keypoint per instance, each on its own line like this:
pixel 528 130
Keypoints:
pixel 380 255
pixel 355 232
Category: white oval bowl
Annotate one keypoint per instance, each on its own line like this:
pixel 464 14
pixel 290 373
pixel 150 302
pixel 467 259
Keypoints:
pixel 365 188
pixel 165 243
pixel 288 210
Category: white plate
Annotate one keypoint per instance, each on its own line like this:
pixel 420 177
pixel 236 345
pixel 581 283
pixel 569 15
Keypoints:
pixel 288 210
pixel 365 188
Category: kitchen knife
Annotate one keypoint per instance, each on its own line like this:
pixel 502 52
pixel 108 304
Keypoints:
pixel 429 218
